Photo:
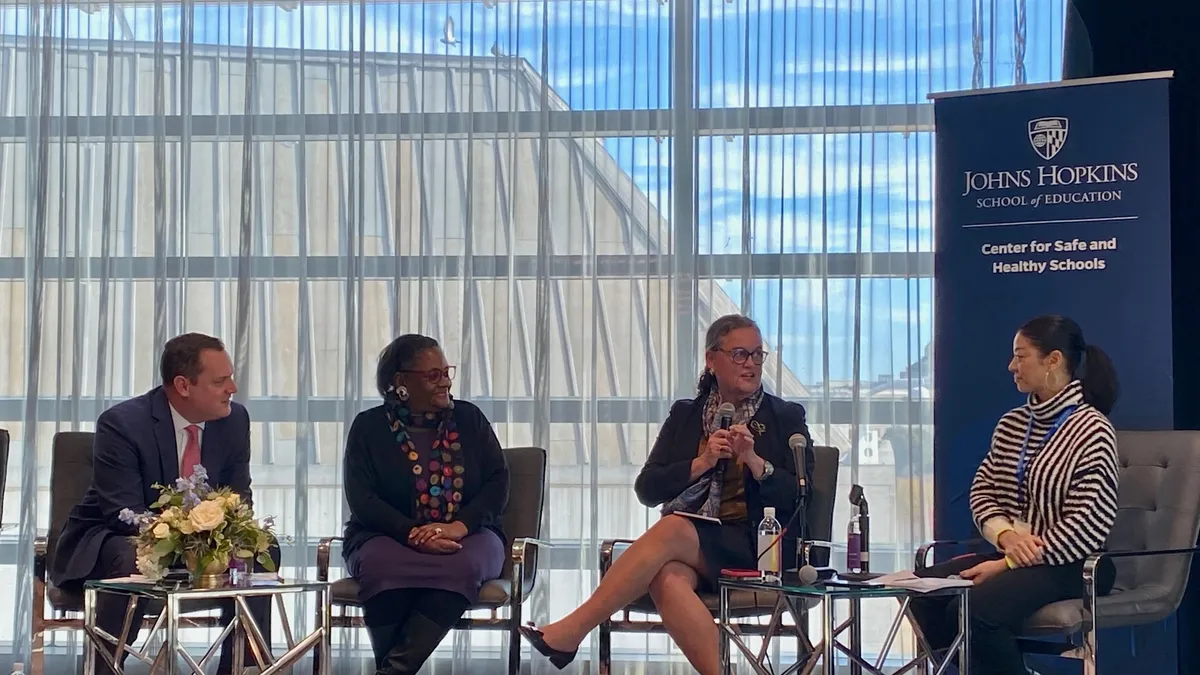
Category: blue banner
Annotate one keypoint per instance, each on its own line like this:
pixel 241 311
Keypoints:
pixel 1049 199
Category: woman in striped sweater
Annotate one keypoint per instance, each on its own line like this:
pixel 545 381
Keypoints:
pixel 1045 496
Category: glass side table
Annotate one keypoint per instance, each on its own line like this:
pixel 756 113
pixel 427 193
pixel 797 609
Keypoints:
pixel 795 598
pixel 175 598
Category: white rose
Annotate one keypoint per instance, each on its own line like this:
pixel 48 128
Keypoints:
pixel 161 531
pixel 149 567
pixel 206 516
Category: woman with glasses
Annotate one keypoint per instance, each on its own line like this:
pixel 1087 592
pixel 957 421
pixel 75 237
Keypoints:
pixel 426 482
pixel 725 466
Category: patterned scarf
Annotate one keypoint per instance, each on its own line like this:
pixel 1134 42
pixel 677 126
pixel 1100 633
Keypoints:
pixel 439 475
pixel 704 496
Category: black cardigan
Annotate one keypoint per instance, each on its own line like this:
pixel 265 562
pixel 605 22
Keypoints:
pixel 380 487
pixel 669 466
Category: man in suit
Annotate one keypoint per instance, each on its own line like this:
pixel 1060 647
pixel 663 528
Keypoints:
pixel 155 438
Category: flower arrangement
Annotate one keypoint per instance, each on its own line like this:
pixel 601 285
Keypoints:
pixel 202 528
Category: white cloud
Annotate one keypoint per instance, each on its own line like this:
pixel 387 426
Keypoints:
pixel 826 164
pixel 574 78
pixel 865 61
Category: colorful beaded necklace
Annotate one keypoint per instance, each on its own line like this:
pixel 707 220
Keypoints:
pixel 439 475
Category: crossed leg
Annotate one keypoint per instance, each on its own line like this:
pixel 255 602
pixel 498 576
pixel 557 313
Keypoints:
pixel 686 618
pixel 671 540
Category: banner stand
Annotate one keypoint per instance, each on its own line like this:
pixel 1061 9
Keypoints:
pixel 1051 199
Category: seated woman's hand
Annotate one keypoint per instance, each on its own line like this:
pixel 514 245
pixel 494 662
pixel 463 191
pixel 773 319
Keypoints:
pixel 432 537
pixel 716 449
pixel 742 442
pixel 440 545
pixel 454 531
pixel 984 571
pixel 1024 549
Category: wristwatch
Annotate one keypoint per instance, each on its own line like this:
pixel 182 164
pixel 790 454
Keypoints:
pixel 768 469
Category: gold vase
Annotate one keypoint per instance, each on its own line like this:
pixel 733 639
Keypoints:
pixel 213 575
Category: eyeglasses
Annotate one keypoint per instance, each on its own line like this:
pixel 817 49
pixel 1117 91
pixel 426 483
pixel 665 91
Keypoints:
pixel 434 374
pixel 740 356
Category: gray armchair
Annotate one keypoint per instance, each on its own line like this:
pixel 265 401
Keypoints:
pixel 522 523
pixel 70 477
pixel 743 604
pixel 1151 546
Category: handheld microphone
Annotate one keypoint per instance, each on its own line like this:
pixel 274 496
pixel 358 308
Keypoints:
pixel 725 413
pixel 810 575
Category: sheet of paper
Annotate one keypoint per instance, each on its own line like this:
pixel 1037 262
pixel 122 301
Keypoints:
pixel 134 579
pixel 697 516
pixel 909 581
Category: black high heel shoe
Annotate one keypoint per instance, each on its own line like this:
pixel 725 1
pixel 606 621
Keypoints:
pixel 536 640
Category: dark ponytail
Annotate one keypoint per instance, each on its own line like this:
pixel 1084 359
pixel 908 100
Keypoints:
pixel 1099 379
pixel 1086 363
pixel 706 383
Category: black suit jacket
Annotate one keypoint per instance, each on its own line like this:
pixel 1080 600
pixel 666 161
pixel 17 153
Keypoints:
pixel 135 448
pixel 381 487
pixel 668 468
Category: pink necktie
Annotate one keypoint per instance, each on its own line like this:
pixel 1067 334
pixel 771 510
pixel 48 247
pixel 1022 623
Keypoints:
pixel 191 452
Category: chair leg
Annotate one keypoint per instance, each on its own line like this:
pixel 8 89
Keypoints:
pixel 514 638
pixel 1089 652
pixel 37 665
pixel 605 658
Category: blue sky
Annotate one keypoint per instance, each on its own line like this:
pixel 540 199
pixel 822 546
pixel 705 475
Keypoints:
pixel 803 194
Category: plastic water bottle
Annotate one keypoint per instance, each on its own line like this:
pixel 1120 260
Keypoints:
pixel 238 573
pixel 769 554
pixel 854 542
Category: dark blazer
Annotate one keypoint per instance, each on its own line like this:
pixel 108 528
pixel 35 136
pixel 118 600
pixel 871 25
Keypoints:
pixel 381 487
pixel 134 448
pixel 668 468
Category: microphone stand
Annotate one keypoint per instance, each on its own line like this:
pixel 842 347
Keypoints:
pixel 864 525
pixel 858 498
pixel 802 547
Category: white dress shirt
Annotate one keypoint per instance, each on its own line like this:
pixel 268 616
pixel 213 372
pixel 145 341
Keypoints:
pixel 181 435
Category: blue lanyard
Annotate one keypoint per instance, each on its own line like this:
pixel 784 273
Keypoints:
pixel 1023 458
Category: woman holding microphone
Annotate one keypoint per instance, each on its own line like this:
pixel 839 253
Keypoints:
pixel 699 467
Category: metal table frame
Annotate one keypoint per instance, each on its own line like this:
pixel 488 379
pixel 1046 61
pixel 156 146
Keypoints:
pixel 791 600
pixel 243 627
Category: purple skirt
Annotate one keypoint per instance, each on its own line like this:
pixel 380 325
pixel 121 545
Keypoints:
pixel 384 564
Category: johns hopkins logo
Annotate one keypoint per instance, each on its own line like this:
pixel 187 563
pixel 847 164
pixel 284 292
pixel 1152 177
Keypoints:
pixel 1047 135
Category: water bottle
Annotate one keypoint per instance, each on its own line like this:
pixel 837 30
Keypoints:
pixel 854 542
pixel 238 575
pixel 769 554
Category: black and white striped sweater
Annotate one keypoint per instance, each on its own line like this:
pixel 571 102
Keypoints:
pixel 1070 484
